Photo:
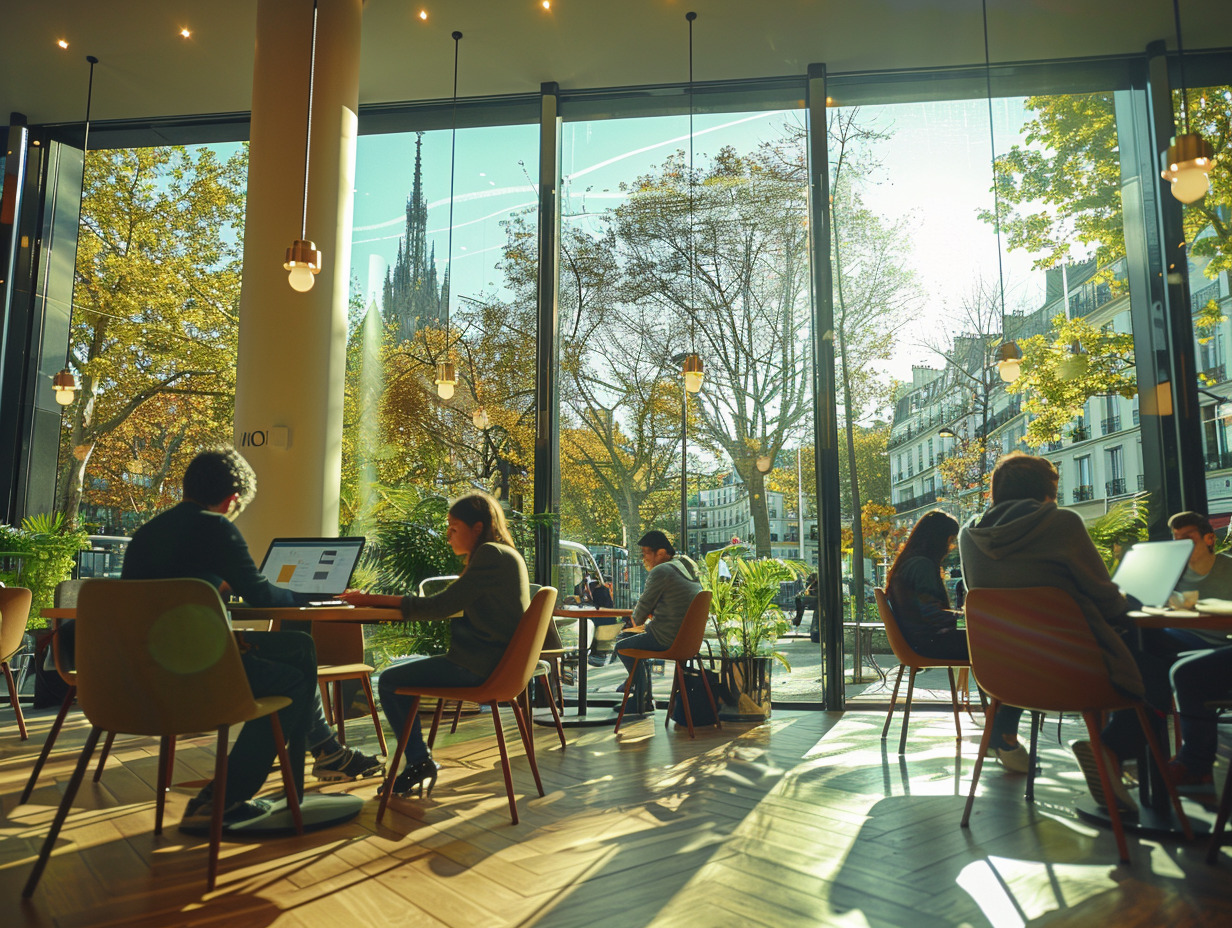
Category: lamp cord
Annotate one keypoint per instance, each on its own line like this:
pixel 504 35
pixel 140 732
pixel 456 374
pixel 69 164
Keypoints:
pixel 992 144
pixel 453 156
pixel 85 144
pixel 1180 60
pixel 312 68
pixel 691 16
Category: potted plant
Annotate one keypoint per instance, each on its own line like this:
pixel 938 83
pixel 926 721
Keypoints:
pixel 38 556
pixel 746 621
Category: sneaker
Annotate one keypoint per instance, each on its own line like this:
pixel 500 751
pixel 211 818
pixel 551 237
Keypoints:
pixel 1015 759
pixel 1085 755
pixel 200 811
pixel 345 765
pixel 1181 776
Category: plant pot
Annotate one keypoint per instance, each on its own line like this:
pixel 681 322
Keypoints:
pixel 748 681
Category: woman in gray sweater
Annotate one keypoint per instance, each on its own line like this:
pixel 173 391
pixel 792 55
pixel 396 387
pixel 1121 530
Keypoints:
pixel 491 594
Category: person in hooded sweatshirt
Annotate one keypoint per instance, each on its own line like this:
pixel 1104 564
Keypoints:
pixel 1025 540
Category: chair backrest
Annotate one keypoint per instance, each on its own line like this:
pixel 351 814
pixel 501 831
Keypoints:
pixel 1032 647
pixel 338 642
pixel 903 652
pixel 14 611
pixel 430 586
pixel 65 594
pixel 692 631
pixel 157 657
pixel 521 656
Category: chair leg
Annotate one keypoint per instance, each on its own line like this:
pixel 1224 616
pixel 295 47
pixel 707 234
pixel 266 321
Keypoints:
pixel 885 729
pixel 366 680
pixel 436 723
pixel 500 742
pixel 671 701
pixel 902 738
pixel 1221 819
pixel 160 788
pixel 289 786
pixel 326 704
pixel 54 733
pixel 979 761
pixel 21 719
pixel 628 690
pixel 66 803
pixel 528 740
pixel 1105 782
pixel 457 717
pixel 714 706
pixel 560 729
pixel 391 773
pixel 1037 719
pixel 954 701
pixel 339 713
pixel 1162 763
pixel 220 805
pixel 683 692
pixel 103 755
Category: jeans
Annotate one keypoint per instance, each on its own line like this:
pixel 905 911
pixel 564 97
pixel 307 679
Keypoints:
pixel 643 700
pixel 1197 679
pixel 419 672
pixel 277 664
pixel 319 730
pixel 1160 648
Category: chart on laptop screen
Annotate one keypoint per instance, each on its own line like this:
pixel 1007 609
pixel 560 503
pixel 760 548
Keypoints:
pixel 306 565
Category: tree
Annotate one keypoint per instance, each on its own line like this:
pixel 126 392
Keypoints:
pixel 154 315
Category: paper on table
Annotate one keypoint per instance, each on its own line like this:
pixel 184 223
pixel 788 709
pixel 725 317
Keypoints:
pixel 1215 606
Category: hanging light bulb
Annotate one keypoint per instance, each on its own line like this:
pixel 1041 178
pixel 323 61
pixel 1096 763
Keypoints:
pixel 446 380
pixel 1009 361
pixel 693 373
pixel 303 261
pixel 65 385
pixel 480 418
pixel 1190 159
pixel 764 463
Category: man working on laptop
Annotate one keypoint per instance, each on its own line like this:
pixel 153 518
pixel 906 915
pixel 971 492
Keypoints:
pixel 196 538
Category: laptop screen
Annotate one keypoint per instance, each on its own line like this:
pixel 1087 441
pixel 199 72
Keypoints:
pixel 318 566
pixel 1150 570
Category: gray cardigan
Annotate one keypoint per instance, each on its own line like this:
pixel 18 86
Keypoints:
pixel 492 594
pixel 670 588
pixel 1023 542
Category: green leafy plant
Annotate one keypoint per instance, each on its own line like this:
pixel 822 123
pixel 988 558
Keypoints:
pixel 1123 524
pixel 38 555
pixel 744 616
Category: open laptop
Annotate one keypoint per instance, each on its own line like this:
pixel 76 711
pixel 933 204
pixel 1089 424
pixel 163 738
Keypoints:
pixel 318 567
pixel 1150 570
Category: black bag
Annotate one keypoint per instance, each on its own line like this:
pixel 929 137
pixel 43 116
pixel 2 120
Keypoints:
pixel 49 688
pixel 695 692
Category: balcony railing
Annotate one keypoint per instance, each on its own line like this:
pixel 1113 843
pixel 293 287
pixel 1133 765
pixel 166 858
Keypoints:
pixel 1216 373
pixel 1219 460
pixel 1135 415
pixel 1078 434
pixel 1141 482
pixel 1083 493
pixel 1115 487
pixel 915 502
pixel 1111 424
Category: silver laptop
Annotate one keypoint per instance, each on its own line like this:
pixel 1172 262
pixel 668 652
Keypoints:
pixel 319 567
pixel 1150 570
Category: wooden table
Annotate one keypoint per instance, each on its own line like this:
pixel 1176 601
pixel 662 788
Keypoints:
pixel 581 613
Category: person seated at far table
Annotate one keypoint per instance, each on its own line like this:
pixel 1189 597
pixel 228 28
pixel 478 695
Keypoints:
pixel 806 598
pixel 1025 540
pixel 492 593
pixel 921 607
pixel 672 583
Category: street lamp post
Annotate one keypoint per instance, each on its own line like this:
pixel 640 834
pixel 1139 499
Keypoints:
pixel 691 369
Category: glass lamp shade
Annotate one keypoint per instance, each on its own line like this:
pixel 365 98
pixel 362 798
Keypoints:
pixel 693 373
pixel 1009 369
pixel 480 418
pixel 303 264
pixel 65 385
pixel 446 380
pixel 1189 162
pixel 764 463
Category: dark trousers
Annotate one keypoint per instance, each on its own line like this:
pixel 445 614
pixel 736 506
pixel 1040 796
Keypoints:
pixel 1199 678
pixel 421 672
pixel 277 664
pixel 1159 650
pixel 641 698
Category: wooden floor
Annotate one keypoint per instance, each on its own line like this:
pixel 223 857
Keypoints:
pixel 808 819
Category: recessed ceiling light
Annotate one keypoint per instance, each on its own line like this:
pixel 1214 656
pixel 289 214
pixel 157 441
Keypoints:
pixel 546 4
pixel 63 43
pixel 423 14
pixel 185 32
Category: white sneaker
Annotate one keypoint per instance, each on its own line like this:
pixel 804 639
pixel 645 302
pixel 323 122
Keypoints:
pixel 1085 754
pixel 1015 759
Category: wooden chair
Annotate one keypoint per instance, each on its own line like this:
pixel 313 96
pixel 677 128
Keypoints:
pixel 340 656
pixel 505 684
pixel 14 611
pixel 157 658
pixel 1225 797
pixel 1033 648
pixel 542 676
pixel 909 657
pixel 685 648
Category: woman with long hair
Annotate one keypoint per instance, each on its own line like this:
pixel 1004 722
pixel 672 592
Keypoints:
pixel 492 593
pixel 921 607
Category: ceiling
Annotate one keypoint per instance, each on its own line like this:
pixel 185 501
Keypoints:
pixel 147 69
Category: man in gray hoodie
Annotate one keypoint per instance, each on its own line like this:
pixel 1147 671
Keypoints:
pixel 1024 540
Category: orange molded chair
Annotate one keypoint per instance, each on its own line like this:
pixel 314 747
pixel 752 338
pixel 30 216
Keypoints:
pixel 506 683
pixel 685 648
pixel 157 658
pixel 908 657
pixel 340 656
pixel 1033 648
pixel 14 611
